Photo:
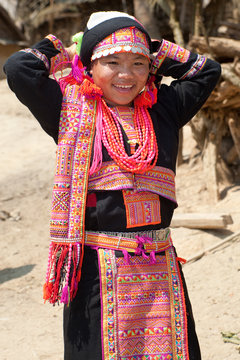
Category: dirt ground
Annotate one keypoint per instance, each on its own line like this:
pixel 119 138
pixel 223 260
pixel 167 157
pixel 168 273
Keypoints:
pixel 31 329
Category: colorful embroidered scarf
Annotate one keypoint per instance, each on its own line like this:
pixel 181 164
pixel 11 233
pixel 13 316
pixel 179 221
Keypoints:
pixel 79 117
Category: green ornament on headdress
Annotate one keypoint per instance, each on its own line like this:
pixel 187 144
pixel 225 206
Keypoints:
pixel 77 38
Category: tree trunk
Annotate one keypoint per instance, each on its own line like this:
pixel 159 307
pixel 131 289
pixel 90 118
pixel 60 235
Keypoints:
pixel 51 18
pixel 197 18
pixel 174 23
pixel 221 47
pixel 209 166
pixel 145 14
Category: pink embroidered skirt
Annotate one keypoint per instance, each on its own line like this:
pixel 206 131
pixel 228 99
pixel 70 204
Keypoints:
pixel 130 308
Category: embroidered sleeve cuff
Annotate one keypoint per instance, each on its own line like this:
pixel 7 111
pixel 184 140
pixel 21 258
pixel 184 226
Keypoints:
pixel 38 55
pixel 195 67
pixel 173 60
pixel 50 53
pixel 169 50
pixel 62 56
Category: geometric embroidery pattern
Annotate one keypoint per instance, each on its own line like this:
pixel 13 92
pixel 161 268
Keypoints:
pixel 142 208
pixel 69 195
pixel 38 55
pixel 75 138
pixel 144 321
pixel 144 301
pixel 61 57
pixel 171 51
pixel 125 117
pixel 159 180
pixel 60 201
pixel 123 40
pixel 108 300
pixel 178 308
pixel 196 67
pixel 81 164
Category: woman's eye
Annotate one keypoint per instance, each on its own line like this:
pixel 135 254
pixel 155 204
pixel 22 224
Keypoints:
pixel 138 63
pixel 112 62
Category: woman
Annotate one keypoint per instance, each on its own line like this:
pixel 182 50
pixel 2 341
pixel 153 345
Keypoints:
pixel 111 258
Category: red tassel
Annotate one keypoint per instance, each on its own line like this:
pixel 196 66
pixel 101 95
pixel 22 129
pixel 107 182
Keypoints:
pixel 143 99
pixel 79 273
pixel 47 290
pixel 181 260
pixel 64 273
pixel 148 97
pixel 58 272
pixel 90 90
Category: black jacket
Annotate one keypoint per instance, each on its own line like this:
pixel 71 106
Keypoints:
pixel 28 77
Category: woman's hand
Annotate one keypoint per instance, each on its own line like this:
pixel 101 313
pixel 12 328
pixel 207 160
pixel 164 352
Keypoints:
pixel 71 50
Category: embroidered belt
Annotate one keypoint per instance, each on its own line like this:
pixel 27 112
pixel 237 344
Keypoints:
pixel 159 180
pixel 138 242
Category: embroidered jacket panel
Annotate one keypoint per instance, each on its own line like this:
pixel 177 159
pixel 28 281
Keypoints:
pixel 195 77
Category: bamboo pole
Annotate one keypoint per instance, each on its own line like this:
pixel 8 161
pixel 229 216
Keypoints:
pixel 231 238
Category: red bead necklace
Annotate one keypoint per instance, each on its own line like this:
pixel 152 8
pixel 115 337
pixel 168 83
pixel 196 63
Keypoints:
pixel 145 156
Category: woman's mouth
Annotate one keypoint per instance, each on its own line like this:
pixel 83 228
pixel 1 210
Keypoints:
pixel 123 87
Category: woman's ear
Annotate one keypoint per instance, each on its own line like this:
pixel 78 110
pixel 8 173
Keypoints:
pixel 90 68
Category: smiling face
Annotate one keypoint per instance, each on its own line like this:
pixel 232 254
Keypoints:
pixel 120 76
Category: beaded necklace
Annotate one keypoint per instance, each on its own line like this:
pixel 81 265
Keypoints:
pixel 145 155
pixel 108 130
pixel 125 115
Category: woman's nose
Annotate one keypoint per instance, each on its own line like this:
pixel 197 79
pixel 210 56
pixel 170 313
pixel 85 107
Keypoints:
pixel 125 71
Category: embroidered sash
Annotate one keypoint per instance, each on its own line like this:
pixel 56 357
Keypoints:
pixel 159 180
pixel 76 132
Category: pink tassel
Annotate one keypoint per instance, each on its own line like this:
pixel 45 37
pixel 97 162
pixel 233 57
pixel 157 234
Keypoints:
pixel 75 76
pixel 65 295
pixel 77 69
pixel 126 256
pixel 138 251
pixel 152 258
pixel 144 255
pixel 65 292
pixel 78 252
pixel 97 153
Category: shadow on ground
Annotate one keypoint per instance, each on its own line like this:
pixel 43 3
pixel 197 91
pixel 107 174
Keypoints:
pixel 14 273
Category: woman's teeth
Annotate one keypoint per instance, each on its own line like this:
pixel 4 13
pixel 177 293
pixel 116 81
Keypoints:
pixel 124 86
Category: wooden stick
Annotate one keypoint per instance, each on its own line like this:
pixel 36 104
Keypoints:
pixel 209 167
pixel 229 74
pixel 201 220
pixel 231 155
pixel 221 47
pixel 232 238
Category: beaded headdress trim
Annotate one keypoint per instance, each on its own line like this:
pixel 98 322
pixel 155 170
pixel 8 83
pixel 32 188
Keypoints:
pixel 129 39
